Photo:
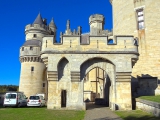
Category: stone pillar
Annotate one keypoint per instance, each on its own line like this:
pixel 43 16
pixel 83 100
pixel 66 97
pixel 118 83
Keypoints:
pixel 54 95
pixel 76 91
pixel 123 88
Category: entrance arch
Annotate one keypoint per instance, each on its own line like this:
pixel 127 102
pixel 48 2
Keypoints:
pixel 91 75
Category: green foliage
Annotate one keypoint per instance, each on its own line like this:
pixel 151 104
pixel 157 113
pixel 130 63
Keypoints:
pixel 4 88
pixel 151 98
pixel 43 113
pixel 136 115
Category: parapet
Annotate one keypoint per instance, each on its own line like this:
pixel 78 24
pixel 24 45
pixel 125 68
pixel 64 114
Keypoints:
pixel 97 18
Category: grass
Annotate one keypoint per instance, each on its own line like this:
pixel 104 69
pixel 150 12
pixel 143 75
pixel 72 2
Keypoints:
pixel 151 98
pixel 39 114
pixel 136 115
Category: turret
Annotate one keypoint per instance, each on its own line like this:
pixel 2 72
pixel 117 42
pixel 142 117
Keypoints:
pixel 96 22
pixel 32 67
pixel 37 29
pixel 53 27
pixel 68 30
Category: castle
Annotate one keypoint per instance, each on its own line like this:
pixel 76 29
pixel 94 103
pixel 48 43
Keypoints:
pixel 107 67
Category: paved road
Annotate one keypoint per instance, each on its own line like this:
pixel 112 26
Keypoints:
pixel 95 112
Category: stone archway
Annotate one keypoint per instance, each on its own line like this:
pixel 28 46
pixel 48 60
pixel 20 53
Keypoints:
pixel 108 85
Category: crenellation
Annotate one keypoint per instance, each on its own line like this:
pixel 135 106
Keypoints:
pixel 30 59
pixel 96 17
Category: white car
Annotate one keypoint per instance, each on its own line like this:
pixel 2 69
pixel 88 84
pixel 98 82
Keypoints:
pixel 36 100
pixel 15 99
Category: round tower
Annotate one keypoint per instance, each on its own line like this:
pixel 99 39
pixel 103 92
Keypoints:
pixel 96 22
pixel 32 76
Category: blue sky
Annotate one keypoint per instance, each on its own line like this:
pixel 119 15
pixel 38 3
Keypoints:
pixel 16 14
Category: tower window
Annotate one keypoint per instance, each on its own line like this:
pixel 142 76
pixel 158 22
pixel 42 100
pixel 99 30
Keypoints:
pixel 32 68
pixel 31 48
pixel 140 19
pixel 22 48
pixel 34 35
pixel 43 84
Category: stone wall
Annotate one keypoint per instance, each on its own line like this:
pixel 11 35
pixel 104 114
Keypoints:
pixel 82 64
pixel 148 106
pixel 31 82
pixel 125 23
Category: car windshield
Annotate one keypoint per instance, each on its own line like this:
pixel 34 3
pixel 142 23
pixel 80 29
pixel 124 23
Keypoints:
pixel 34 97
pixel 10 96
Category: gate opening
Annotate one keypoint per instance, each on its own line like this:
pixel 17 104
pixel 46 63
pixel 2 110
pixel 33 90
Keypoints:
pixel 96 87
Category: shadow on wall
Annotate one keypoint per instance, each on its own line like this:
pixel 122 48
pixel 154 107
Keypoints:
pixel 143 86
pixel 61 67
pixel 107 90
pixel 2 95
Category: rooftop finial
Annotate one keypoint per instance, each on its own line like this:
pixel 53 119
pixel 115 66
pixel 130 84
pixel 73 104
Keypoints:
pixel 68 24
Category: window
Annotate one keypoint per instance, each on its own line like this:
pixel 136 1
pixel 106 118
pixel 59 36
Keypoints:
pixel 34 97
pixel 140 19
pixel 34 35
pixel 43 84
pixel 32 68
pixel 10 96
pixel 31 48
pixel 22 48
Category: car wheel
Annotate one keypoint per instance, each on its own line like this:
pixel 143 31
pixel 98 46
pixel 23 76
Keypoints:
pixel 19 105
pixel 40 105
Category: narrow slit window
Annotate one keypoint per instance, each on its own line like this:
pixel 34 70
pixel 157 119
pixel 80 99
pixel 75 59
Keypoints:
pixel 31 48
pixel 43 84
pixel 22 48
pixel 32 68
pixel 140 19
pixel 34 35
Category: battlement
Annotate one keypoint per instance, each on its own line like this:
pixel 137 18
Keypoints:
pixel 41 27
pixel 90 44
pixel 97 18
pixel 29 51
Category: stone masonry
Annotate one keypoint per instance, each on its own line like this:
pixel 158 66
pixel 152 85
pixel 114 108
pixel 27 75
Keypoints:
pixel 99 65
pixel 63 66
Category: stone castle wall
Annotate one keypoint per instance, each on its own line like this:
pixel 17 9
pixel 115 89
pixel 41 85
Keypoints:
pixel 125 23
pixel 31 82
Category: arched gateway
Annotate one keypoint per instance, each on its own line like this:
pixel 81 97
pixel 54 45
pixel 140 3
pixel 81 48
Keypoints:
pixel 98 75
pixel 94 66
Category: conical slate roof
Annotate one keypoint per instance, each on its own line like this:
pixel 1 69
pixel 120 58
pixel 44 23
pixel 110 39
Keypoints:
pixel 32 43
pixel 38 20
pixel 52 24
